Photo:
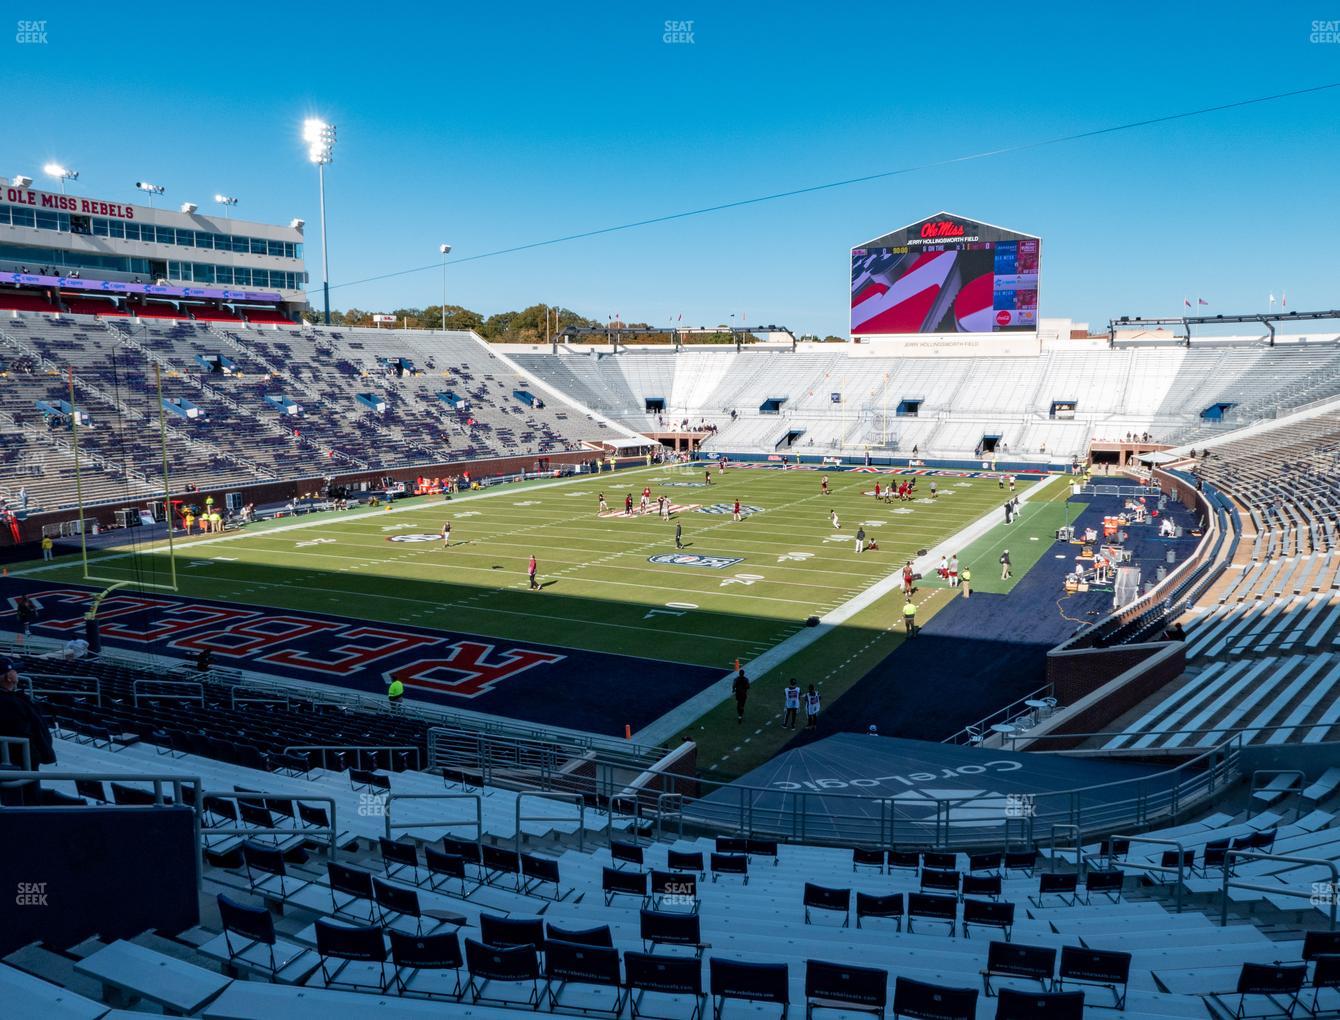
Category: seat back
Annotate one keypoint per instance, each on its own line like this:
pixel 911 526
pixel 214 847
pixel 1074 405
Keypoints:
pixel 395 899
pixel 673 928
pixel 466 849
pixel 91 788
pixel 939 859
pixel 869 905
pixel 864 987
pixel 395 852
pixel 543 869
pixel 1321 943
pixel 933 1002
pixel 730 864
pixel 666 975
pixel 350 881
pixel 1057 883
pixel 825 898
pixel 502 963
pixel 864 857
pixel 313 814
pixel 586 964
pixel 756 982
pixel 732 845
pixel 932 907
pixel 254 923
pixel 992 913
pixel 599 936
pixel 439 863
pixel 495 858
pixel 1021 860
pixel 265 859
pixel 632 883
pixel 1013 960
pixel 984 862
pixel 939 879
pixel 909 860
pixel 1271 978
pixel 761 847
pixel 1107 881
pixel 628 853
pixel 511 931
pixel 363 943
pixel 1101 966
pixel 255 813
pixel 1169 858
pixel 1020 1005
pixel 679 860
pixel 674 883
pixel 981 885
pixel 441 951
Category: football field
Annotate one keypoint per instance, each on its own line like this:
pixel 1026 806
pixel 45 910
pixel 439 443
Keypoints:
pixel 609 583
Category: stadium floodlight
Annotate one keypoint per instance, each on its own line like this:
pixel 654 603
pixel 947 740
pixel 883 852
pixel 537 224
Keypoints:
pixel 320 139
pixel 227 201
pixel 151 190
pixel 445 249
pixel 189 207
pixel 61 173
pixel 20 181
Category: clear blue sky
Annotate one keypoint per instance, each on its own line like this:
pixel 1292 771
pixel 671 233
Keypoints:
pixel 492 125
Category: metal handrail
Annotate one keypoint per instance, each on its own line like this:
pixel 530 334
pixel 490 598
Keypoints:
pixel 23 748
pixel 136 691
pixel 662 799
pixel 1158 841
pixel 1009 712
pixel 1297 791
pixel 477 821
pixel 1251 855
pixel 1078 848
pixel 357 748
pixel 328 832
pixel 570 798
pixel 623 806
pixel 34 690
pixel 1231 731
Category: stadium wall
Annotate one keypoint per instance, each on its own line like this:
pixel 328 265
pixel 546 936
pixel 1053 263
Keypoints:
pixel 262 493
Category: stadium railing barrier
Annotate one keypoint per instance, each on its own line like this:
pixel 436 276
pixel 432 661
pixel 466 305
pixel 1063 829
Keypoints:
pixel 1317 894
pixel 477 822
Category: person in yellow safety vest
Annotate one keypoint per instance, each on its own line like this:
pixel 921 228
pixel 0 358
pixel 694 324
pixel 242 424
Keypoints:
pixel 46 547
pixel 910 617
pixel 965 582
pixel 189 520
pixel 216 521
pixel 395 692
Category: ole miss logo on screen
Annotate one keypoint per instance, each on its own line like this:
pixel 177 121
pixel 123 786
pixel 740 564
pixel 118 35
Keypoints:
pixel 942 228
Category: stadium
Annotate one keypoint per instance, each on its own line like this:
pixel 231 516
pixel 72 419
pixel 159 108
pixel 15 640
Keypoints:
pixel 980 662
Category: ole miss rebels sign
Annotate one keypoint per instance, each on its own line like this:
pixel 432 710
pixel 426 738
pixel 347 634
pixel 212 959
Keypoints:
pixel 566 687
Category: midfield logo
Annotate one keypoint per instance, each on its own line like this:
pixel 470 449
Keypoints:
pixel 413 538
pixel 694 560
pixel 729 508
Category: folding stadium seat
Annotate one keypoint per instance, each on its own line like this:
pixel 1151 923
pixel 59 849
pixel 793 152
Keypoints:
pixel 1280 984
pixel 1105 883
pixel 848 989
pixel 730 864
pixel 937 880
pixel 1018 1005
pixel 397 905
pixel 397 857
pixel 622 883
pixel 421 963
pixel 251 944
pixel 511 931
pixel 498 862
pixel 1105 968
pixel 818 897
pixel 763 848
pixel 623 852
pixel 468 851
pixel 866 858
pixel 679 860
pixel 890 907
pixel 982 885
pixel 518 966
pixel 672 977
pixel 570 963
pixel 354 883
pixel 537 872
pixel 905 860
pixel 988 914
pixel 443 868
pixel 1061 885
pixel 1028 963
pixel 670 928
pixel 360 952
pixel 929 907
pixel 919 999
pixel 748 982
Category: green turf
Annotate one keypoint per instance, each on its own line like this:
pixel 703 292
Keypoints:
pixel 600 592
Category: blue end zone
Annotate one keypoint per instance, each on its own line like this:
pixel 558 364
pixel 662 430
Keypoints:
pixel 592 691
pixel 850 782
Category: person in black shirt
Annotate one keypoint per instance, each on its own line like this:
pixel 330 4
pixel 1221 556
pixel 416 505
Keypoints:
pixel 740 688
pixel 19 717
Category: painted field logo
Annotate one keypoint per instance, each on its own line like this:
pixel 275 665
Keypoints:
pixel 694 560
pixel 684 485
pixel 729 508
pixel 413 538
